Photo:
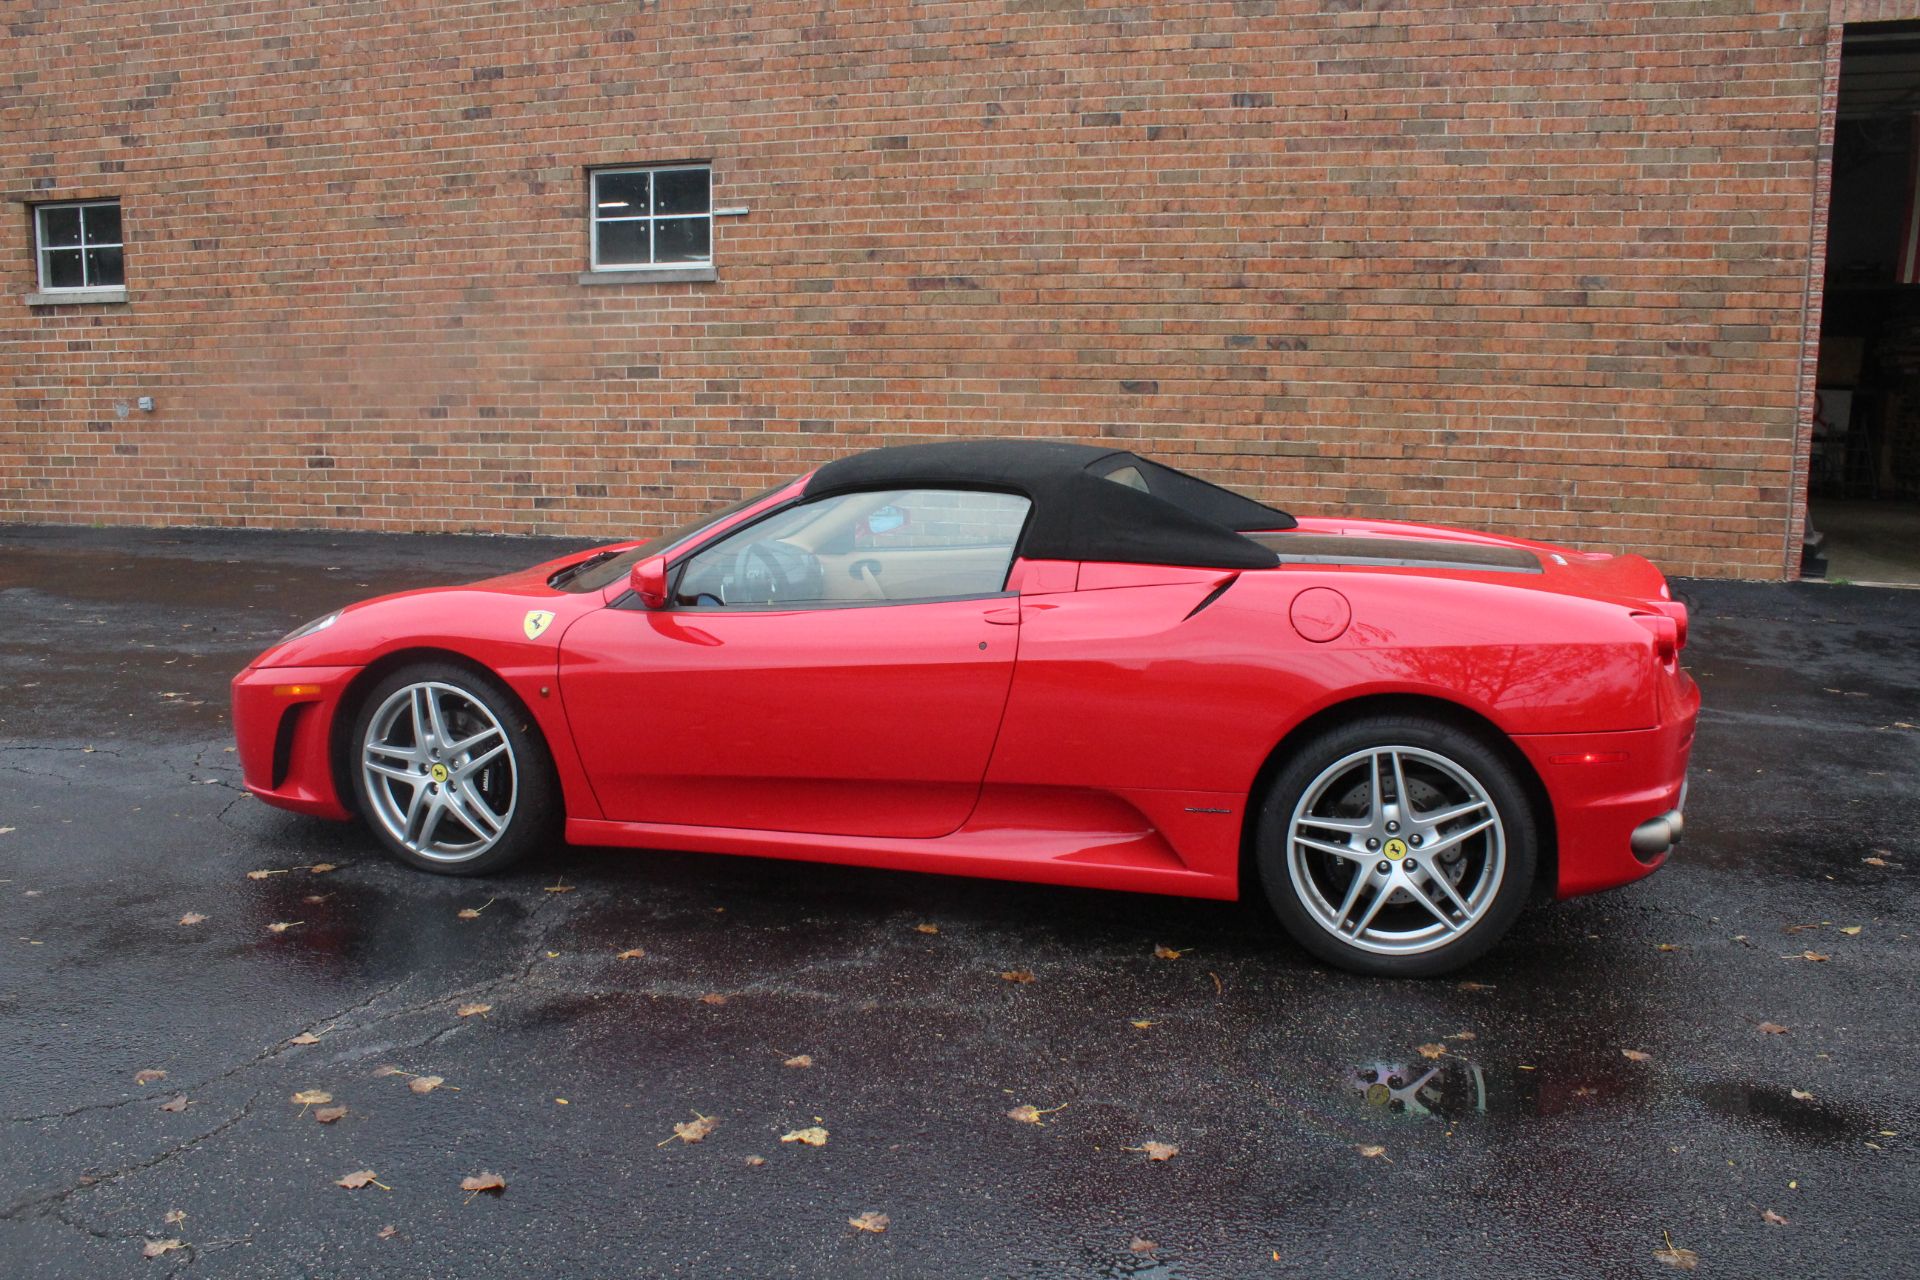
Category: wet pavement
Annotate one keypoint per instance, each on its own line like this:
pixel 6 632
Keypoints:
pixel 1533 1147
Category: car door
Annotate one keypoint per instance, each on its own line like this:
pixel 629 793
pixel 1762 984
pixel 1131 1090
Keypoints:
pixel 837 667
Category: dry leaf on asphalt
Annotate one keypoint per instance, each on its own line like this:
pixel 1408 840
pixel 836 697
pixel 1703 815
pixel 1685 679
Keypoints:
pixel 1372 1152
pixel 814 1137
pixel 869 1221
pixel 175 1217
pixel 178 1103
pixel 358 1179
pixel 483 1181
pixel 1142 1023
pixel 321 868
pixel 327 1115
pixel 1431 1050
pixel 1666 946
pixel 1021 976
pixel 426 1084
pixel 631 953
pixel 192 917
pixel 1142 1245
pixel 1166 953
pixel 1677 1258
pixel 312 1098
pixel 262 875
pixel 1771 1218
pixel 473 913
pixel 1773 1028
pixel 1814 956
pixel 713 997
pixel 388 1070
pixel 155 1248
pixel 754 1162
pixel 1027 1113
pixel 1801 1095
pixel 387 1232
pixel 799 1060
pixel 561 887
pixel 1851 930
pixel 1875 862
pixel 1156 1152
pixel 691 1131
pixel 472 1010
pixel 305 1037
pixel 148 1076
pixel 281 926
pixel 1461 1035
pixel 1635 1055
pixel 926 928
pixel 1476 986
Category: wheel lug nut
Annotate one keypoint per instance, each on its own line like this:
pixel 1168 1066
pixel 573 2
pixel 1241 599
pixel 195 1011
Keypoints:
pixel 1412 866
pixel 1372 843
pixel 433 788
pixel 1414 841
pixel 1384 868
pixel 1393 826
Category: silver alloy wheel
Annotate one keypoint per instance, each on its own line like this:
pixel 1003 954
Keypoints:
pixel 1396 850
pixel 439 771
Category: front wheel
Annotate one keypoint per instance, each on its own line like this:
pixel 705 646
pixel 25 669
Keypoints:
pixel 450 773
pixel 1397 846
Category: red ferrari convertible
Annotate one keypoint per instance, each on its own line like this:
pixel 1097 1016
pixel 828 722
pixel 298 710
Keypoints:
pixel 1029 660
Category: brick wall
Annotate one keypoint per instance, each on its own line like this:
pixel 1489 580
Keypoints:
pixel 1539 269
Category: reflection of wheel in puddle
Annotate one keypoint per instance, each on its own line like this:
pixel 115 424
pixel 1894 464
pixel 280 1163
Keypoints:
pixel 1442 1089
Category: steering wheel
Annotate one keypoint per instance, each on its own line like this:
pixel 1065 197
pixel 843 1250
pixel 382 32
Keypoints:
pixel 744 572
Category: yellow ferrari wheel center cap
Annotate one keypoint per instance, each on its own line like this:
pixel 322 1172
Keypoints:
pixel 439 774
pixel 1395 849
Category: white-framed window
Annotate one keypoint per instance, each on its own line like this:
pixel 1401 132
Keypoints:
pixel 658 216
pixel 78 246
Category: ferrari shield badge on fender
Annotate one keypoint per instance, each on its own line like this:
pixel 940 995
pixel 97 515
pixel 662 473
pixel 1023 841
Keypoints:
pixel 536 621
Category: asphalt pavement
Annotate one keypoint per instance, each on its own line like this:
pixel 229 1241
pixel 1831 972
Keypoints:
pixel 1600 1089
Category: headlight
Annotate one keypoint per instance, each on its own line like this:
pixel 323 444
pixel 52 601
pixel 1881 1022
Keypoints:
pixel 308 628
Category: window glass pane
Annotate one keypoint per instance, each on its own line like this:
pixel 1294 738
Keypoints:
pixel 681 191
pixel 63 269
pixel 682 240
pixel 102 223
pixel 623 244
pixel 930 544
pixel 619 195
pixel 59 227
pixel 104 267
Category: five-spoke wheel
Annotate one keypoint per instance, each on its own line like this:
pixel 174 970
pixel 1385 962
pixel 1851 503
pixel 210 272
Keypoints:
pixel 449 773
pixel 1397 846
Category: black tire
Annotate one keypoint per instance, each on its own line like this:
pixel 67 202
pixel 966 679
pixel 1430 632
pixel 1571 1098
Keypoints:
pixel 1501 859
pixel 531 821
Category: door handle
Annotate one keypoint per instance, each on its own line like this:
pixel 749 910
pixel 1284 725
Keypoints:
pixel 1007 617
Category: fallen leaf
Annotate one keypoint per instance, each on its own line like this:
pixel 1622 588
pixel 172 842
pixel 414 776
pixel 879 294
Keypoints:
pixel 155 1248
pixel 1156 1152
pixel 632 953
pixel 799 1060
pixel 1372 1152
pixel 472 1010
pixel 870 1221
pixel 754 1162
pixel 1801 1095
pixel 1814 956
pixel 1027 1113
pixel 192 917
pixel 315 899
pixel 358 1179
pixel 814 1137
pixel 175 1217
pixel 1476 986
pixel 305 1037
pixel 926 928
pixel 387 1232
pixel 483 1181
pixel 1677 1258
pixel 178 1103
pixel 1461 1035
pixel 561 887
pixel 281 926
pixel 388 1070
pixel 312 1097
pixel 1875 862
pixel 262 875
pixel 1852 930
pixel 1771 1218
pixel 1666 946
pixel 327 1115
pixel 1141 1245
pixel 1166 953
pixel 148 1076
pixel 468 913
pixel 713 997
pixel 321 868
pixel 1635 1055
pixel 1022 976
pixel 1773 1028
pixel 691 1131
pixel 426 1084
pixel 1431 1050
pixel 1142 1023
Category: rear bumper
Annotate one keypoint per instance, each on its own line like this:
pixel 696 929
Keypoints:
pixel 282 726
pixel 1617 799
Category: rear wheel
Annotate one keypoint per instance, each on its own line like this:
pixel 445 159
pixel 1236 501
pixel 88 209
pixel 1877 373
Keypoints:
pixel 1396 845
pixel 450 773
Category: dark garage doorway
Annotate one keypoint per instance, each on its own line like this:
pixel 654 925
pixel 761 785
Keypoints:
pixel 1863 480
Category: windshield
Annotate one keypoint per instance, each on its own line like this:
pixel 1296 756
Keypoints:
pixel 595 575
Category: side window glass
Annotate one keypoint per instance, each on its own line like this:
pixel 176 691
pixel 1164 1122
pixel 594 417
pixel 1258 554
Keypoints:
pixel 889 546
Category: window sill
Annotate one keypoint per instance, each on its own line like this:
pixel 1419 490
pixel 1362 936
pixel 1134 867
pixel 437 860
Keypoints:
pixel 651 275
pixel 76 297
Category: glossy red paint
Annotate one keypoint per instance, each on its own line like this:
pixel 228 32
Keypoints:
pixel 1096 724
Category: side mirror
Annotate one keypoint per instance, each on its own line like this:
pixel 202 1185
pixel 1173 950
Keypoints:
pixel 649 581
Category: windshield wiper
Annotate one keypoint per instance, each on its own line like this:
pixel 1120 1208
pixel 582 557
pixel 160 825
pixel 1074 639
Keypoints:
pixel 572 571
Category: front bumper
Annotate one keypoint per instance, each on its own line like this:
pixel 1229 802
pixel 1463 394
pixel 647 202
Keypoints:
pixel 283 727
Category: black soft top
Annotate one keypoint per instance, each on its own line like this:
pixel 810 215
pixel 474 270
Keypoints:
pixel 1089 503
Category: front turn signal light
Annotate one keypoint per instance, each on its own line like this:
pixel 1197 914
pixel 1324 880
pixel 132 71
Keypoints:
pixel 296 690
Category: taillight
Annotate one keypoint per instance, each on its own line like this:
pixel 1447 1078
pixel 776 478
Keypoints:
pixel 1666 634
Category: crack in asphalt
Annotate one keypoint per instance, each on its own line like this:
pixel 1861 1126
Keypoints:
pixel 40 1204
